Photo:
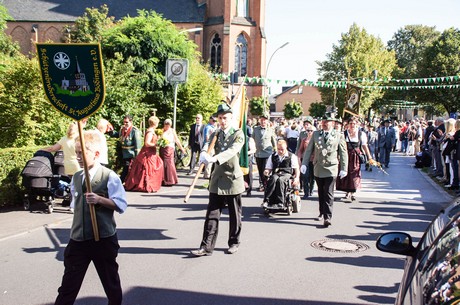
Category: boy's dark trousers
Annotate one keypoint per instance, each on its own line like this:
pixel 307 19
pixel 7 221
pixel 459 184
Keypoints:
pixel 77 257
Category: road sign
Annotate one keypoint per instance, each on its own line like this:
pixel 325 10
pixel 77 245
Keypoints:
pixel 176 70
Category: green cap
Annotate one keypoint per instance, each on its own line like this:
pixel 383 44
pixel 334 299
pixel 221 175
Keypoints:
pixel 222 109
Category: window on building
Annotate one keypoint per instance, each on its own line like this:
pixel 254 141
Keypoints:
pixel 242 8
pixel 298 90
pixel 241 55
pixel 216 52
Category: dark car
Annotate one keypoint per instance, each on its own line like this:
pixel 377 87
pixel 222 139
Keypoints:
pixel 431 272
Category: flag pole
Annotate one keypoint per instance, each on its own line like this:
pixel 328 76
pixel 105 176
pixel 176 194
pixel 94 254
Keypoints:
pixel 200 169
pixel 92 211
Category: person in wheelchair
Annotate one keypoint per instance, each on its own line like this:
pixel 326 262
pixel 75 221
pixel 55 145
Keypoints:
pixel 281 166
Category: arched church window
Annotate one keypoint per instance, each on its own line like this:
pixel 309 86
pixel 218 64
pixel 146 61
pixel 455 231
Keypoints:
pixel 216 52
pixel 241 55
pixel 242 8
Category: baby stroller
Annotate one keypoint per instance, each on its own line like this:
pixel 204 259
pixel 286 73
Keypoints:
pixel 42 184
pixel 291 205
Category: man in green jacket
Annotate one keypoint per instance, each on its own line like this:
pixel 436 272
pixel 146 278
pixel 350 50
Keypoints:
pixel 226 183
pixel 330 151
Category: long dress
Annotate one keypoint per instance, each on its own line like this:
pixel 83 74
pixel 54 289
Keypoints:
pixel 352 181
pixel 146 172
pixel 167 154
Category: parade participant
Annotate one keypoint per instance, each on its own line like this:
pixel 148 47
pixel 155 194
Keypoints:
pixel 265 139
pixel 356 144
pixel 226 183
pixel 329 149
pixel 307 180
pixel 131 144
pixel 280 167
pixel 195 141
pixel 146 172
pixel 167 153
pixel 107 196
pixel 386 141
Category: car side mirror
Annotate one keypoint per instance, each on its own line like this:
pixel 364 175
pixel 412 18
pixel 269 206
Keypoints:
pixel 397 243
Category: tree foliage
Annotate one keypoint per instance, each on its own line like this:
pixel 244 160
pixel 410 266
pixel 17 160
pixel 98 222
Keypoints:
pixel 27 118
pixel 356 57
pixel 292 110
pixel 135 52
pixel 442 58
pixel 317 109
pixel 257 106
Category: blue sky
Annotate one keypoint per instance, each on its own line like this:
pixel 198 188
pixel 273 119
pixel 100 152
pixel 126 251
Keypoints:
pixel 312 27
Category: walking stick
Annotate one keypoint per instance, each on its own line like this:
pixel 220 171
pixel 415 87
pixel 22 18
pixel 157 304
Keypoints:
pixel 92 211
pixel 200 169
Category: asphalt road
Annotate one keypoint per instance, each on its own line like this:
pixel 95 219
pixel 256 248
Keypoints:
pixel 282 259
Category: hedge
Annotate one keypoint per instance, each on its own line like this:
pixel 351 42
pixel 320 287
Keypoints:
pixel 13 160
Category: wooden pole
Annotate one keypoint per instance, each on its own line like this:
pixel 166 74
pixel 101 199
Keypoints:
pixel 92 211
pixel 200 169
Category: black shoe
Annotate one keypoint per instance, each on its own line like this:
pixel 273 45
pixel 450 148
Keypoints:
pixel 201 252
pixel 327 222
pixel 387 166
pixel 452 188
pixel 233 249
pixel 311 193
pixel 248 194
pixel 305 197
pixel 190 173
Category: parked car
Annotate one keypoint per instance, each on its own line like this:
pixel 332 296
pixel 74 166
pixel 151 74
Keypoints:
pixel 431 272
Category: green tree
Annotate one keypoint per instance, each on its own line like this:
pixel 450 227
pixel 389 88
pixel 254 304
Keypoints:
pixel 409 44
pixel 90 26
pixel 292 110
pixel 257 105
pixel 356 57
pixel 8 47
pixel 317 109
pixel 146 42
pixel 27 118
pixel 442 58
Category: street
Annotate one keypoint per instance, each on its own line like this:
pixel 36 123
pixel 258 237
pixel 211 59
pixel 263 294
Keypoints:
pixel 282 259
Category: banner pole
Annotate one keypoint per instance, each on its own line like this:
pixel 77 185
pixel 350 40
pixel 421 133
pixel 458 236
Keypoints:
pixel 92 211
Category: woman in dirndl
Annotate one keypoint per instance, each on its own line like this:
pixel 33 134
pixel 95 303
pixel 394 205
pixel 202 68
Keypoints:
pixel 356 140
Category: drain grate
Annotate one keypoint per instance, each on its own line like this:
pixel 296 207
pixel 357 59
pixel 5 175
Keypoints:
pixel 339 245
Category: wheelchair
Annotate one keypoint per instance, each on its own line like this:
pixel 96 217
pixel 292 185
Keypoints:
pixel 291 205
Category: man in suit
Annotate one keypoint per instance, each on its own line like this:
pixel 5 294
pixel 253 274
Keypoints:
pixel 386 141
pixel 194 138
pixel 226 183
pixel 330 151
pixel 265 139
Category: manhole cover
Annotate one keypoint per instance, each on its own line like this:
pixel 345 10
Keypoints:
pixel 339 245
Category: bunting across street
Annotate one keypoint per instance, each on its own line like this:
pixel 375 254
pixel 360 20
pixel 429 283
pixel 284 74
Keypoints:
pixel 428 83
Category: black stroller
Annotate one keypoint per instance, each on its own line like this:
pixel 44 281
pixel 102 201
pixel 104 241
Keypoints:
pixel 43 181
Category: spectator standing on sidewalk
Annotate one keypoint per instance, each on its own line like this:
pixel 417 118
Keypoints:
pixel 436 138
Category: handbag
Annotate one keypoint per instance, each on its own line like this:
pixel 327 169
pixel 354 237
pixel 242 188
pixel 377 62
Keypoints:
pixel 361 156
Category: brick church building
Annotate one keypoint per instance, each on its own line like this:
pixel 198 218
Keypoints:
pixel 229 33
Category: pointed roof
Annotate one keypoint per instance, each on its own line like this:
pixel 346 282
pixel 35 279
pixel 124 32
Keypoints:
pixel 178 11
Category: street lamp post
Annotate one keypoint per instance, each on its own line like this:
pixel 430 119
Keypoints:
pixel 266 71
